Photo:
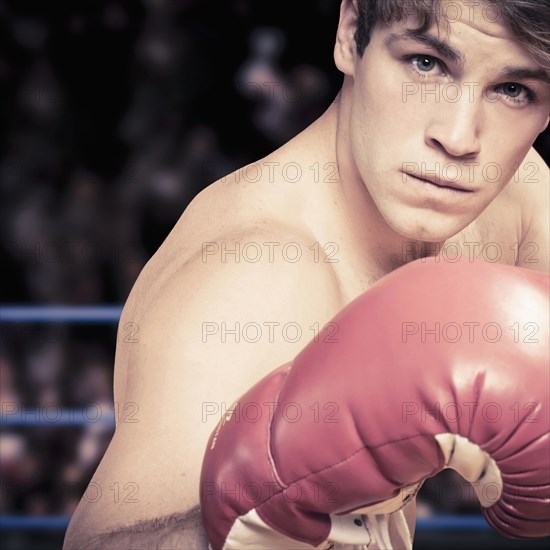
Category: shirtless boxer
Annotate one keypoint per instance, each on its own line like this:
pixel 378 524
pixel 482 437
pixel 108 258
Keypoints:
pixel 352 213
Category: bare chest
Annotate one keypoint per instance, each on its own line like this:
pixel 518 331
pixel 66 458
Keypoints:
pixel 483 239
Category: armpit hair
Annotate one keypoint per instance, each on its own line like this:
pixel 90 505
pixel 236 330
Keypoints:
pixel 179 531
pixel 189 519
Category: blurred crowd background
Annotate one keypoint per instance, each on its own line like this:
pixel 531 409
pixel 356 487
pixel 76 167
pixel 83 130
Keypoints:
pixel 114 115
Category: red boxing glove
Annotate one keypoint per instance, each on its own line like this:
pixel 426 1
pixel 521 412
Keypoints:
pixel 437 365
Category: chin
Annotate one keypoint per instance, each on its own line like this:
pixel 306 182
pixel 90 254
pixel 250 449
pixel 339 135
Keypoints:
pixel 426 228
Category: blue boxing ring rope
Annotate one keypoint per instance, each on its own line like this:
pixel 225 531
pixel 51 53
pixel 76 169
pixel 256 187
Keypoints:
pixel 60 523
pixel 110 314
pixel 60 314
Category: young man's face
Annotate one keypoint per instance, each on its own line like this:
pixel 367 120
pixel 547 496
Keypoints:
pixel 459 118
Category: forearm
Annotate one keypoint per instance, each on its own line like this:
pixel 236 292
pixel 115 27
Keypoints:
pixel 176 532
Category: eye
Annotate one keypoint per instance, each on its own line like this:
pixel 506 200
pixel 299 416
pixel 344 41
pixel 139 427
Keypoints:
pixel 517 93
pixel 513 90
pixel 425 65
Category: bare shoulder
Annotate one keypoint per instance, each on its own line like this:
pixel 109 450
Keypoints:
pixel 532 190
pixel 237 293
pixel 209 328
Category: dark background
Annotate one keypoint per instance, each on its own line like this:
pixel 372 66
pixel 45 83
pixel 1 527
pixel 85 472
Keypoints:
pixel 114 115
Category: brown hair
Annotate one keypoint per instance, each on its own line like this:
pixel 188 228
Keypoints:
pixel 528 20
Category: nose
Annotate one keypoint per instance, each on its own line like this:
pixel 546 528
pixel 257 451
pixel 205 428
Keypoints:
pixel 456 127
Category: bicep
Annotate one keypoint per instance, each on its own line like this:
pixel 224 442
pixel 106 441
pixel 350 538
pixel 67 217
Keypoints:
pixel 206 334
pixel 210 335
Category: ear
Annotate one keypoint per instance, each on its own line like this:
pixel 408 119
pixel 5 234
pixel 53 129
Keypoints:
pixel 345 51
pixel 545 125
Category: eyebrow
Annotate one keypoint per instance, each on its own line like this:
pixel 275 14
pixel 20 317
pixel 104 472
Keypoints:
pixel 446 50
pixel 440 46
pixel 524 73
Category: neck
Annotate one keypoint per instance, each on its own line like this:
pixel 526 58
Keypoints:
pixel 336 205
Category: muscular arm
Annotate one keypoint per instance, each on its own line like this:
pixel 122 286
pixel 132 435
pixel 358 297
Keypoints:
pixel 175 370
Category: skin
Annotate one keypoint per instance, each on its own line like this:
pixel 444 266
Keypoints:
pixel 387 132
pixel 376 219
